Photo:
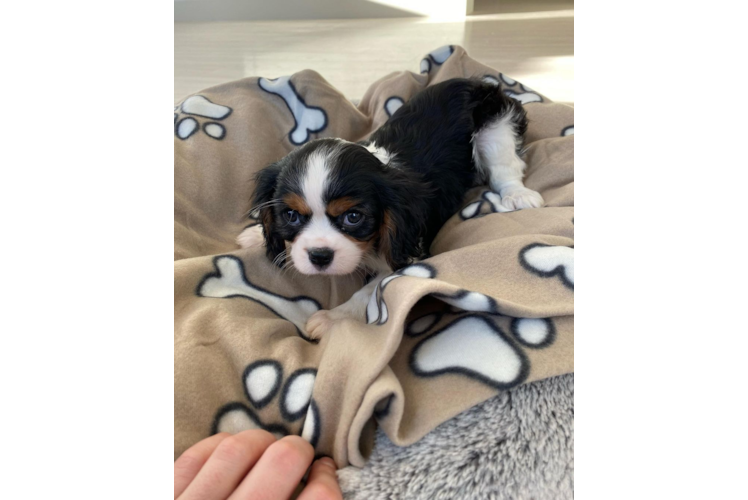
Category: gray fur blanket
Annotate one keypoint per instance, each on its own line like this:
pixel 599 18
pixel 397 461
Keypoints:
pixel 516 445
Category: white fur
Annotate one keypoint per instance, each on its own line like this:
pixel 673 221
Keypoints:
pixel 382 154
pixel 251 237
pixel 353 308
pixel 319 232
pixel 496 158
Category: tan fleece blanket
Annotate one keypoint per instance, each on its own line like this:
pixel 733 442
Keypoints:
pixel 492 308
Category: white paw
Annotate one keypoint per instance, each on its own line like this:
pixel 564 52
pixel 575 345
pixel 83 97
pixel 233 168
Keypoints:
pixel 318 323
pixel 251 237
pixel 517 198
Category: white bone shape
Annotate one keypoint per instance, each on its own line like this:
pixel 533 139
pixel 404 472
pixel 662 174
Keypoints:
pixel 307 119
pixel 471 346
pixel 550 261
pixel 230 281
pixel 201 106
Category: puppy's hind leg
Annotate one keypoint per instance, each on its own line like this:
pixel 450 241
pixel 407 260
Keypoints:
pixel 495 151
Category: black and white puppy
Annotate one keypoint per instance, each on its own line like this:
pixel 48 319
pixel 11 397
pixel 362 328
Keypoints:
pixel 333 206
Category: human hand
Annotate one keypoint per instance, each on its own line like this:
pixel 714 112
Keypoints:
pixel 252 464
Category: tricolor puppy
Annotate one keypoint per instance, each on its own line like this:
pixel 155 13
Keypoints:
pixel 332 206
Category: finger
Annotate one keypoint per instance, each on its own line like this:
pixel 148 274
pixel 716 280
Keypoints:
pixel 278 472
pixel 228 465
pixel 322 483
pixel 192 460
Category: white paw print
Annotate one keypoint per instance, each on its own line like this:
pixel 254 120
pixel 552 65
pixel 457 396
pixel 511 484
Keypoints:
pixel 200 106
pixel 262 381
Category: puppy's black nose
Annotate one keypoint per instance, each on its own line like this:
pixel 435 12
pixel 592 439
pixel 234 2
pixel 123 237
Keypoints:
pixel 321 257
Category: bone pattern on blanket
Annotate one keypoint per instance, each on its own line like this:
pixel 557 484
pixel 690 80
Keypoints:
pixel 230 281
pixel 307 119
pixel 491 308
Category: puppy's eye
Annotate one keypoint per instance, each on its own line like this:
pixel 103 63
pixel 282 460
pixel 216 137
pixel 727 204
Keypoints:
pixel 353 219
pixel 292 217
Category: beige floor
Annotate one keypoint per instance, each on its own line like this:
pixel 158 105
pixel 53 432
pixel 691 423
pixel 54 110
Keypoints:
pixel 536 48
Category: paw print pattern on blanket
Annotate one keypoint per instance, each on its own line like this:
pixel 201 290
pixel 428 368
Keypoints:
pixel 392 104
pixel 307 119
pixel 475 210
pixel 535 333
pixel 549 261
pixel 438 57
pixel 201 106
pixel 229 281
pixel 376 310
pixel 524 97
pixel 262 380
pixel 567 131
pixel 472 346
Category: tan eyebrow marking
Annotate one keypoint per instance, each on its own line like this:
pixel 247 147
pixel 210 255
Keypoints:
pixel 341 205
pixel 296 202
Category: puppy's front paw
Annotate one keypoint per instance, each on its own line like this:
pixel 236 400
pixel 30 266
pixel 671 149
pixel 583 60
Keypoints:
pixel 251 237
pixel 318 323
pixel 517 198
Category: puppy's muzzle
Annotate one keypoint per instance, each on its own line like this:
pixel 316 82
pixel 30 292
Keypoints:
pixel 321 257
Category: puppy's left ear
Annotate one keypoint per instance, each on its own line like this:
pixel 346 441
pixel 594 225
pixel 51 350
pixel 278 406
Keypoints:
pixel 403 219
pixel 265 183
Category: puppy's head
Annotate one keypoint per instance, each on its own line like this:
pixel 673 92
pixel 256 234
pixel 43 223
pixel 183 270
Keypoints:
pixel 339 208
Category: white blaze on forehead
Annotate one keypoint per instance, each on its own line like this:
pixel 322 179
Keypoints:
pixel 319 231
pixel 316 180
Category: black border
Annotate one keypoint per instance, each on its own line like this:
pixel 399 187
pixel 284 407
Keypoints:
pixel 273 391
pixel 462 293
pixel 427 70
pixel 212 137
pixel 503 78
pixel 387 102
pixel 296 124
pixel 563 132
pixel 511 93
pixel 524 362
pixel 317 424
pixel 236 405
pixel 217 274
pixel 176 128
pixel 287 415
pixel 380 414
pixel 408 328
pixel 549 339
pixel 557 271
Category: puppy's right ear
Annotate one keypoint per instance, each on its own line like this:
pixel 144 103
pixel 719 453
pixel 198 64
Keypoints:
pixel 265 184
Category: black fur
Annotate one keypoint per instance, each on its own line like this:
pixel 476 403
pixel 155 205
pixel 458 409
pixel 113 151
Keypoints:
pixel 431 134
pixel 430 138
